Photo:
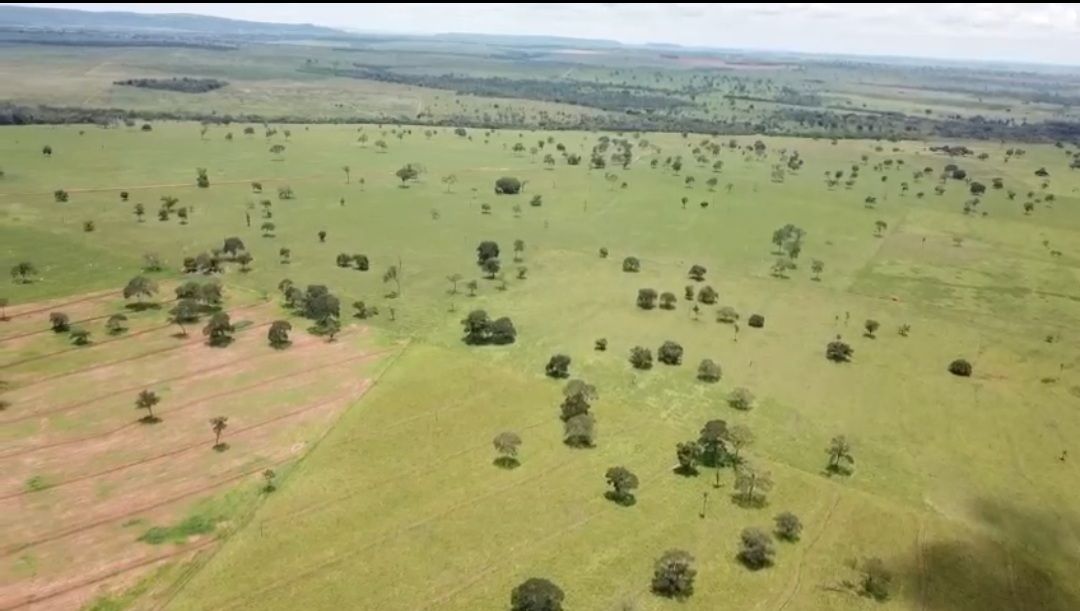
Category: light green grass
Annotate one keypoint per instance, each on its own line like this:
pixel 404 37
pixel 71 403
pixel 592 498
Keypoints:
pixel 401 508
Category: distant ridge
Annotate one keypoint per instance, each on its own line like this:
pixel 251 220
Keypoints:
pixel 51 18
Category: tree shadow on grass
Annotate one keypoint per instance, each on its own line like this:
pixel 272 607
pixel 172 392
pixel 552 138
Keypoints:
pixel 506 462
pixel 990 573
pixel 686 471
pixel 142 306
pixel 757 501
pixel 221 447
pixel 624 500
pixel 149 420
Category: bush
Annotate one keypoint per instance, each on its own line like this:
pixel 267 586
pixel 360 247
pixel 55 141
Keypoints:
pixel 960 367
pixel 756 320
pixel 670 353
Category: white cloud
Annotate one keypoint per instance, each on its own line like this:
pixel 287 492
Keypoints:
pixel 1048 32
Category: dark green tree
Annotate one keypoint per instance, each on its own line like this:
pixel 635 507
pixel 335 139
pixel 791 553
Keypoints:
pixel 673 575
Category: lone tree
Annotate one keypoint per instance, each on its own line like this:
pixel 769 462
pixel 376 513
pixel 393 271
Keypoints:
pixel 201 179
pixel 871 326
pixel 558 366
pixel 697 273
pixel 757 549
pixel 673 574
pixel 709 371
pixel 838 351
pixel 139 287
pixel 278 335
pixel 876 580
pixel 59 322
pixel 752 485
pixel 711 439
pixel 960 367
pixel 880 227
pixel 630 264
pixel 840 459
pixel 622 481
pixel 788 526
pixel 601 344
pixel 817 266
pixel 218 424
pixel 580 431
pixel 688 453
pixel 646 299
pixel 23 272
pixel 670 353
pixel 536 594
pixel 147 399
pixel 741 398
pixel 219 330
pixel 506 444
pixel 641 357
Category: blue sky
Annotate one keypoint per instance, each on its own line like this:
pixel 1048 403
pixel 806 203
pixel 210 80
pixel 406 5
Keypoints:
pixel 1038 32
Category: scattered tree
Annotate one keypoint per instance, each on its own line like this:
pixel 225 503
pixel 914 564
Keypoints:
pixel 667 301
pixel 708 295
pixel 688 453
pixel 788 526
pixel 871 326
pixel 80 336
pixel 838 351
pixel 697 273
pixel 536 594
pixel 218 424
pixel 960 367
pixel 580 431
pixel 278 335
pixel 670 353
pixel 756 320
pixel 673 575
pixel 558 366
pixel 219 330
pixel 709 371
pixel 622 482
pixel 739 436
pixel 139 287
pixel 840 459
pixel 147 399
pixel 641 357
pixel 646 299
pixel 711 439
pixel 752 485
pixel 876 579
pixel 629 264
pixel 741 398
pixel 600 345
pixel 59 322
pixel 757 549
pixel 506 444
pixel 23 272
pixel 817 266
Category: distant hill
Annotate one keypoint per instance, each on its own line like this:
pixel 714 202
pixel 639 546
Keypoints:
pixel 50 18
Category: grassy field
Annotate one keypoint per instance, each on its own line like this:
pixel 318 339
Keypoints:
pixel 958 486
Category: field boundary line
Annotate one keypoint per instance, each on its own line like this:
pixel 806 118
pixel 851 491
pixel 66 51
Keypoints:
pixel 193 569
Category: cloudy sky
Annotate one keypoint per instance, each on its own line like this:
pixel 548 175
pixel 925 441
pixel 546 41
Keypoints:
pixel 1041 32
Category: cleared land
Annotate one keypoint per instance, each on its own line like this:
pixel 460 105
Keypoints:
pixel 958 485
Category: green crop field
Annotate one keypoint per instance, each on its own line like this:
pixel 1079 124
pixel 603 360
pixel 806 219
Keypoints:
pixel 837 236
pixel 958 487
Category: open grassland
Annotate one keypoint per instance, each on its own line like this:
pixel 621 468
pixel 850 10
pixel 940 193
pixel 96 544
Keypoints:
pixel 958 486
